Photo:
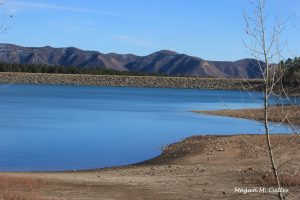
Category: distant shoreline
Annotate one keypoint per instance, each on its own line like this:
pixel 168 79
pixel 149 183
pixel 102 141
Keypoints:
pixel 131 81
pixel 278 114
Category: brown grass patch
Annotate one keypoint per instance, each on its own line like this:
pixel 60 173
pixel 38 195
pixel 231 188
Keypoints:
pixel 20 188
pixel 286 180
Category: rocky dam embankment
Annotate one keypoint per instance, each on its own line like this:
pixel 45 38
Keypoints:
pixel 130 81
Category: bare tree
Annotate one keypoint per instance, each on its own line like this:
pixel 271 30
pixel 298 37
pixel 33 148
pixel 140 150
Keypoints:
pixel 264 45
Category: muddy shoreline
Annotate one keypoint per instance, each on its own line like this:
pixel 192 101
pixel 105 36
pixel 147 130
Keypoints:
pixel 131 81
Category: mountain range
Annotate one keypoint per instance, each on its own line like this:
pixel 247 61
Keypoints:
pixel 165 61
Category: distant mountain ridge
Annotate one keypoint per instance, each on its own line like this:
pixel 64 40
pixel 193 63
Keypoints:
pixel 165 61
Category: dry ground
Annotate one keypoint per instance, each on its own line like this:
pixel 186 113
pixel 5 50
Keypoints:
pixel 199 167
pixel 290 114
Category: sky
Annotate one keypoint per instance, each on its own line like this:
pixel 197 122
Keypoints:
pixel 209 29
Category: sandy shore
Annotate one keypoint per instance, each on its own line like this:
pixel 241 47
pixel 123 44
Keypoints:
pixel 199 167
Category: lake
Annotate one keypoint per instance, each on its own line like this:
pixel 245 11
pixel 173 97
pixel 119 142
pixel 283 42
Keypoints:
pixel 56 127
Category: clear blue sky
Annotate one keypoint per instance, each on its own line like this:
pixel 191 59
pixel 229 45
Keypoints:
pixel 210 29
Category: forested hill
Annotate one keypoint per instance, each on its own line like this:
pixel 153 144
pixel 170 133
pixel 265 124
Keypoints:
pixel 162 62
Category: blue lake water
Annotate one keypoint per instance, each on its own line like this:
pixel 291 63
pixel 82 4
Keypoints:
pixel 55 127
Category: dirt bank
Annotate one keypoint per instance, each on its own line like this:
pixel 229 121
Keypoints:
pixel 199 167
pixel 285 114
pixel 130 81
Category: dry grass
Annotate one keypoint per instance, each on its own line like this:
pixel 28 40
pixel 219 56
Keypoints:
pixel 286 180
pixel 20 196
pixel 20 188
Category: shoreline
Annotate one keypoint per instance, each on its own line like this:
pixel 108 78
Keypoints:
pixel 290 114
pixel 252 114
pixel 198 167
pixel 131 81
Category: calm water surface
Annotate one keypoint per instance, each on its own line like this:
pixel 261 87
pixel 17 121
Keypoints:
pixel 46 127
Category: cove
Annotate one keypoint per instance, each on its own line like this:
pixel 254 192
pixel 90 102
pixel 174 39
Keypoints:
pixel 58 127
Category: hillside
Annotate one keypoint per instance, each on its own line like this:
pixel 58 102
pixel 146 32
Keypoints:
pixel 165 62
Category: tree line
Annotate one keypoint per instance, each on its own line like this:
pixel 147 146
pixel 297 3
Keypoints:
pixel 291 72
pixel 290 69
pixel 40 68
